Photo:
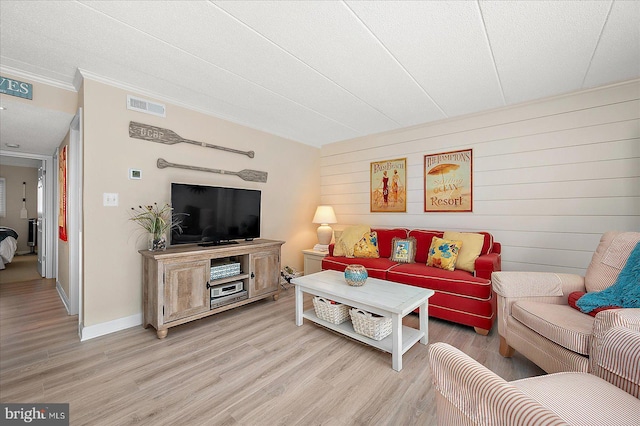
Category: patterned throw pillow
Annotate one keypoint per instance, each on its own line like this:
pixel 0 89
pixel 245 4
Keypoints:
pixel 367 246
pixel 403 250
pixel 348 239
pixel 443 253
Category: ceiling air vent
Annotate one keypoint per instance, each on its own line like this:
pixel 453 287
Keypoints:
pixel 148 107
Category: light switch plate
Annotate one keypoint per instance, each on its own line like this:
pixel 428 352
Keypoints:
pixel 110 199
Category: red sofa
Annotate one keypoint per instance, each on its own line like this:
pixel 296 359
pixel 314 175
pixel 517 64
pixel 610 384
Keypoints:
pixel 460 296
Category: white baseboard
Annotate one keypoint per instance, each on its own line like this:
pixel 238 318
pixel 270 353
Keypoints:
pixel 63 296
pixel 108 327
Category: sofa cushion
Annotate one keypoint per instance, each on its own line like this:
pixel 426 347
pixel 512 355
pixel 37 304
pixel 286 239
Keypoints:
pixel 423 239
pixel 609 258
pixel 348 239
pixel 561 324
pixel 376 268
pixel 462 309
pixel 581 398
pixel 385 236
pixel 367 246
pixel 443 253
pixel 454 282
pixel 472 244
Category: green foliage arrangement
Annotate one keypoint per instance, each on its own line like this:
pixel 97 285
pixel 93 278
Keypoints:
pixel 156 220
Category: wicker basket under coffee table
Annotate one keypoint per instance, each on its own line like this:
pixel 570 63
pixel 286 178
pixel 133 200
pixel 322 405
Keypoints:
pixel 377 296
pixel 335 313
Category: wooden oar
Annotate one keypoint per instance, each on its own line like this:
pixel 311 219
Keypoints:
pixel 169 137
pixel 250 175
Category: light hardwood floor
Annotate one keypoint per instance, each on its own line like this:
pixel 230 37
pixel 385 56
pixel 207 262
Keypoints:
pixel 248 366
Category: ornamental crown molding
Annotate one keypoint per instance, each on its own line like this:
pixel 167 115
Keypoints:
pixel 37 78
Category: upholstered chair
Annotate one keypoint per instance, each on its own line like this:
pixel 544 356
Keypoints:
pixel 467 393
pixel 538 318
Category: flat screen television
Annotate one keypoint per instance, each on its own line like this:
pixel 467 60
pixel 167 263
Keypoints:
pixel 213 215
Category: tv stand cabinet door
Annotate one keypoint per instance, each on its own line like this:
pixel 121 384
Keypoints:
pixel 185 289
pixel 265 272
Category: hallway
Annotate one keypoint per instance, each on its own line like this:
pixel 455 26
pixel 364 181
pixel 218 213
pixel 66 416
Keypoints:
pixel 22 268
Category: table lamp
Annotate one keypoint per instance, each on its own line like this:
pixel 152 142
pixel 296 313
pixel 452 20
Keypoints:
pixel 324 216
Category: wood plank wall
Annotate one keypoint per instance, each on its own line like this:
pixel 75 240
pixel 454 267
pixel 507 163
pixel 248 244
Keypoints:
pixel 549 176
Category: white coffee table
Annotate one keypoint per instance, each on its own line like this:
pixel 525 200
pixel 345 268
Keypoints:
pixel 378 296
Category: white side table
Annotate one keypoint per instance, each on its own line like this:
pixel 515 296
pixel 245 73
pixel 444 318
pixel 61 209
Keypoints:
pixel 313 260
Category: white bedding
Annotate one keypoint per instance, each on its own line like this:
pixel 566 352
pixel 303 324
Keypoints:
pixel 8 248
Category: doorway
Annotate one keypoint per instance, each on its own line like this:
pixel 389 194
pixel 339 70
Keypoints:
pixel 35 252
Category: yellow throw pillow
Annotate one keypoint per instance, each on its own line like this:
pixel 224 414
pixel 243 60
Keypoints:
pixel 348 239
pixel 471 248
pixel 443 253
pixel 367 246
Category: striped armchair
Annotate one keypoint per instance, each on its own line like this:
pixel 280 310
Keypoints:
pixel 535 317
pixel 467 393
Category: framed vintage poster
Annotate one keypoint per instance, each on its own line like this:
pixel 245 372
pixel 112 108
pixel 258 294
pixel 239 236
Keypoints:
pixel 389 185
pixel 448 182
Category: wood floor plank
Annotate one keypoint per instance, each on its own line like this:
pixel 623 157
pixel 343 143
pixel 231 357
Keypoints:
pixel 247 366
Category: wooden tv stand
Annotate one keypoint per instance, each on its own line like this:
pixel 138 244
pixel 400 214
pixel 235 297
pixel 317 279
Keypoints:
pixel 176 282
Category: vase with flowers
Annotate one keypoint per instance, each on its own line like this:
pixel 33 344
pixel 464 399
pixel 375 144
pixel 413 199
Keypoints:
pixel 156 220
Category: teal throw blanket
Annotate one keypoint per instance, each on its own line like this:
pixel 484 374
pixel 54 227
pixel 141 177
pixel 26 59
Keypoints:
pixel 625 292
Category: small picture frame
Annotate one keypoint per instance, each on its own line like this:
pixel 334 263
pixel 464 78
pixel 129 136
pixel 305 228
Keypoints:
pixel 403 250
pixel 135 174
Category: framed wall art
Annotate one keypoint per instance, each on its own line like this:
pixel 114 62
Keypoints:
pixel 448 182
pixel 389 185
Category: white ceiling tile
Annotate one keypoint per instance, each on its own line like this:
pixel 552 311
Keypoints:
pixel 618 54
pixel 443 46
pixel 33 53
pixel 327 37
pixel 542 48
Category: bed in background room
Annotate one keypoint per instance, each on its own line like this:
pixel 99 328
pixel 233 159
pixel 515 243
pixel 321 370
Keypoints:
pixel 8 245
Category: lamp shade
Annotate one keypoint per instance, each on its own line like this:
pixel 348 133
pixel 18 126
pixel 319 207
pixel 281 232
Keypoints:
pixel 325 215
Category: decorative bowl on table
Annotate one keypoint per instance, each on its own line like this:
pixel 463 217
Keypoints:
pixel 355 275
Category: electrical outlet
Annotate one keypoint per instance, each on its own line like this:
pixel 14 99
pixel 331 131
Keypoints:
pixel 110 199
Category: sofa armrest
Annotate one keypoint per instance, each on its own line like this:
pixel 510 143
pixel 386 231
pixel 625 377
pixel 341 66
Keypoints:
pixel 545 287
pixel 614 354
pixel 486 264
pixel 497 248
pixel 469 393
pixel 511 284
